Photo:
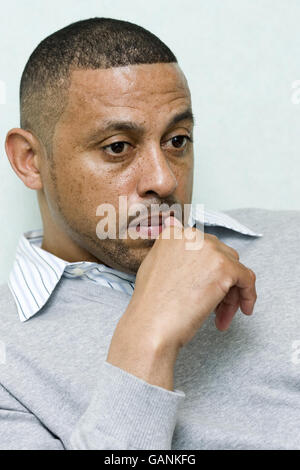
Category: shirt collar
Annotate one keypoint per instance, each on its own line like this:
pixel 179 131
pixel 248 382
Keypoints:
pixel 36 272
pixel 210 217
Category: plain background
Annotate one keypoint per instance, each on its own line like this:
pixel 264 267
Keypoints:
pixel 241 59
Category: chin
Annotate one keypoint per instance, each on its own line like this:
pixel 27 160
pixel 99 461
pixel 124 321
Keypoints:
pixel 138 255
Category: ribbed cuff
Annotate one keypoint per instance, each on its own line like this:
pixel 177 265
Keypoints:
pixel 127 413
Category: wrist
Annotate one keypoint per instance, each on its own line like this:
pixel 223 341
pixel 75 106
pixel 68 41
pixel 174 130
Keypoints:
pixel 136 348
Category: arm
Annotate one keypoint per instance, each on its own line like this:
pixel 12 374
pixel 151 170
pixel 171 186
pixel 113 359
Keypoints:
pixel 134 405
pixel 124 413
pixel 20 429
pixel 127 413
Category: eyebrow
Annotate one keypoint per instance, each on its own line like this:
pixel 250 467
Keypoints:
pixel 112 125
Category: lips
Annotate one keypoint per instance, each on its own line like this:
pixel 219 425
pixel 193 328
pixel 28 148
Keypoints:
pixel 152 225
pixel 153 221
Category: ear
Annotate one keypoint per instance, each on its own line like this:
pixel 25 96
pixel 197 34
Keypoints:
pixel 23 151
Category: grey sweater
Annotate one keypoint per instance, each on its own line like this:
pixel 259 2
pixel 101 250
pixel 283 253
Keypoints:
pixel 234 390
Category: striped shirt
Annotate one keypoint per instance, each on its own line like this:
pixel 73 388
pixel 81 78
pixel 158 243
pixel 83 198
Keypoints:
pixel 36 272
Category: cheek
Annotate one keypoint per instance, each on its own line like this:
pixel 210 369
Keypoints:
pixel 77 189
pixel 82 188
pixel 184 177
pixel 189 183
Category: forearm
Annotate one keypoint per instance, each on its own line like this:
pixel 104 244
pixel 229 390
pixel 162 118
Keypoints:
pixel 140 350
pixel 127 413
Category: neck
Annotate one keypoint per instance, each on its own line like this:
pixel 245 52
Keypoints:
pixel 58 242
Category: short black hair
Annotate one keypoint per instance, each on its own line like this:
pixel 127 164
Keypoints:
pixel 87 44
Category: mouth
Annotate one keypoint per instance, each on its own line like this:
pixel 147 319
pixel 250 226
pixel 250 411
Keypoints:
pixel 153 225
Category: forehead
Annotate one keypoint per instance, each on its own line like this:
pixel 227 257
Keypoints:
pixel 135 87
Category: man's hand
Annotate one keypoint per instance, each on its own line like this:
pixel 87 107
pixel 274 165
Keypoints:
pixel 175 291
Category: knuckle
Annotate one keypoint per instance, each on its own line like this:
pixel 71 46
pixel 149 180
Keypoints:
pixel 225 284
pixel 223 260
pixel 235 253
pixel 223 264
pixel 253 275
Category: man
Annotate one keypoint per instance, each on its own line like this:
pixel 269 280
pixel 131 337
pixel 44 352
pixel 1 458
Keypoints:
pixel 123 342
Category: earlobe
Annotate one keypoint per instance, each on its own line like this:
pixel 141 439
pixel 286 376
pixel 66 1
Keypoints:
pixel 22 151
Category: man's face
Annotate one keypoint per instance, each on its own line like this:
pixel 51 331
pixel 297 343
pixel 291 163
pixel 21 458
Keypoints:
pixel 95 161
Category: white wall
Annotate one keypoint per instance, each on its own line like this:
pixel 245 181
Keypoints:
pixel 240 57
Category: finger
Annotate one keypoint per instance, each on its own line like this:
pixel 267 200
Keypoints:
pixel 172 229
pixel 171 221
pixel 227 309
pixel 246 284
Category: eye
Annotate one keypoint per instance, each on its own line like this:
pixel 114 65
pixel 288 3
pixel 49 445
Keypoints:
pixel 116 147
pixel 180 141
pixel 119 148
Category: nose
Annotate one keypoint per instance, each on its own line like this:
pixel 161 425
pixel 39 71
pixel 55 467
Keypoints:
pixel 155 175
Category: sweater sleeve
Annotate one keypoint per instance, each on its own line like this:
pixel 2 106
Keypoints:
pixel 126 412
pixel 22 430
